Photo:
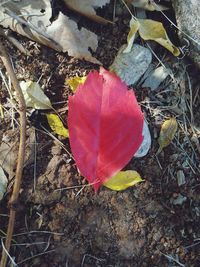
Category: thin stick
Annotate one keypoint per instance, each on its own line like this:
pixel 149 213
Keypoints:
pixel 21 152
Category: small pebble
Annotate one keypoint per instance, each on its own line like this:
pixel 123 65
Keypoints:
pixel 179 200
pixel 181 178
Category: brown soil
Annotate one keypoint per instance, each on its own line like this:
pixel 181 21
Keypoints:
pixel 61 223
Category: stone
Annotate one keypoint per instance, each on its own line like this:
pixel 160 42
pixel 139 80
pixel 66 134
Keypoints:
pixel 181 178
pixel 187 16
pixel 156 77
pixel 131 66
pixel 179 200
pixel 146 143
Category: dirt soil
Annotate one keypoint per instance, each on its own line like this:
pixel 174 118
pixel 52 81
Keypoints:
pixel 62 222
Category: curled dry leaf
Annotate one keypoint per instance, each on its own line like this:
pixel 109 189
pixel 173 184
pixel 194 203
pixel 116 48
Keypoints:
pixel 167 133
pixel 87 8
pixel 154 30
pixel 34 96
pixel 134 27
pixel 122 180
pixel 32 19
pixel 35 14
pixel 105 126
pixel 9 150
pixel 72 40
pixel 150 30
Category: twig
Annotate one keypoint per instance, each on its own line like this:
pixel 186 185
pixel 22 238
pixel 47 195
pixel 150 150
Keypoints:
pixel 8 35
pixel 35 256
pixel 21 152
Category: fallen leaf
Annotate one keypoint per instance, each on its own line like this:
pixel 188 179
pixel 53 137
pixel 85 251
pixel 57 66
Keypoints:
pixel 146 143
pixel 32 19
pixel 3 183
pixel 131 66
pixel 72 40
pixel 12 15
pixel 1 111
pixel 134 27
pixel 105 126
pixel 154 30
pixel 87 8
pixel 34 96
pixel 9 150
pixel 74 82
pixel 122 180
pixel 148 5
pixel 56 125
pixel 150 30
pixel 167 133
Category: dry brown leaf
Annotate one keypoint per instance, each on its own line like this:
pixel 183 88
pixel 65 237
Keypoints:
pixel 13 14
pixel 62 35
pixel 87 8
pixel 9 150
pixel 72 40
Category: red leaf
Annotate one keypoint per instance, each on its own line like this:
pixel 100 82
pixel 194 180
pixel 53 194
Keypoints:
pixel 105 126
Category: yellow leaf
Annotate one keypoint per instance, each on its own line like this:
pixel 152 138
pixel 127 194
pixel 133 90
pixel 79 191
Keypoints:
pixel 123 180
pixel 167 133
pixel 74 82
pixel 134 26
pixel 3 183
pixel 56 125
pixel 1 112
pixel 150 30
pixel 154 30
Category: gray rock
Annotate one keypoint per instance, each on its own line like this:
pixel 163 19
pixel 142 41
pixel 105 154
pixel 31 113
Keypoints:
pixel 187 15
pixel 146 143
pixel 179 200
pixel 156 77
pixel 131 66
pixel 181 178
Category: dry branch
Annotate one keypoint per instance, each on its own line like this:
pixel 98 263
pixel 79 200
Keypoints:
pixel 21 152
